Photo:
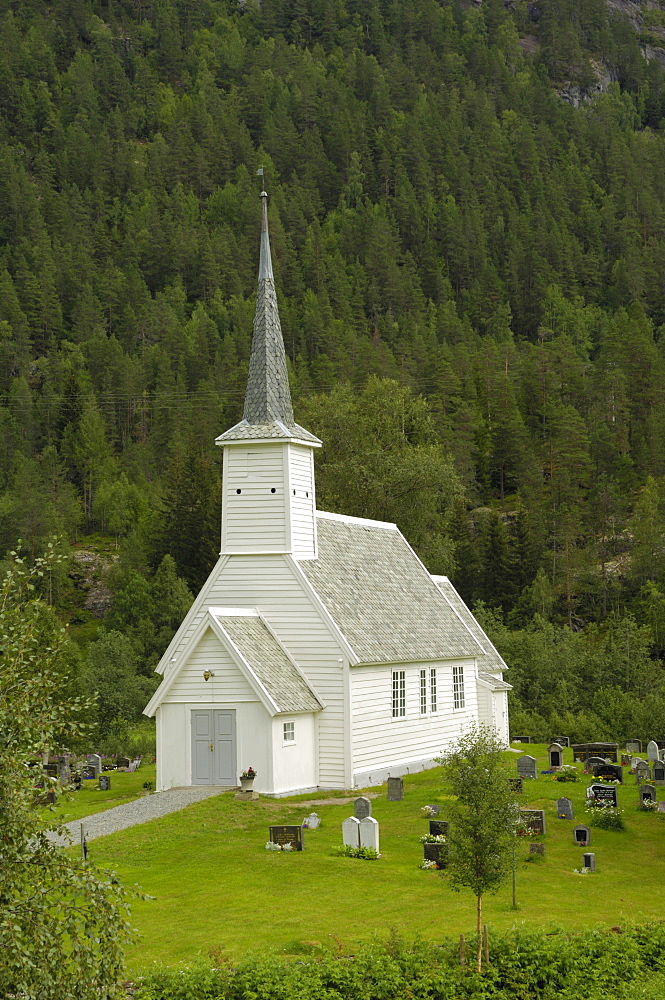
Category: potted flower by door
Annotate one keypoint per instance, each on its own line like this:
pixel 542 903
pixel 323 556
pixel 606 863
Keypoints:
pixel 247 779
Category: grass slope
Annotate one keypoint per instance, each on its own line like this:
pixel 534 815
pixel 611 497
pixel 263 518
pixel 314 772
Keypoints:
pixel 124 788
pixel 215 887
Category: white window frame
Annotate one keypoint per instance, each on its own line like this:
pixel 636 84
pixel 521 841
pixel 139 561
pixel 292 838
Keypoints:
pixel 458 686
pixel 398 694
pixel 423 692
pixel 433 699
pixel 289 742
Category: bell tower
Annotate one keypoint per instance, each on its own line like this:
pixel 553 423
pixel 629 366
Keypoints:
pixel 268 502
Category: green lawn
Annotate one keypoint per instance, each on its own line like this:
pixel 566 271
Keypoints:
pixel 124 788
pixel 216 887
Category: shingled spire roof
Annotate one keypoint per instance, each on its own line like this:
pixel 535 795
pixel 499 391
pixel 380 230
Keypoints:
pixel 268 411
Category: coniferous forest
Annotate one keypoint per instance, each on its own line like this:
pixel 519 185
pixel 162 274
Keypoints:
pixel 467 213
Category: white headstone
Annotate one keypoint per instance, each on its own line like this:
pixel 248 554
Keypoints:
pixel 351 832
pixel 369 833
pixel 96 761
pixel 312 822
pixel 652 750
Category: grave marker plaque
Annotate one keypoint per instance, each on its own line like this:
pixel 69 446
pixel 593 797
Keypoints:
pixel 642 771
pixel 437 853
pixel 611 771
pixel 520 739
pixel 122 762
pixel 564 808
pixel 288 835
pixel 526 767
pixel 607 794
pixel 438 827
pixel 362 807
pixel 104 783
pixel 582 835
pixel 652 750
pixel 589 861
pixel 634 746
pixel 647 794
pixel 563 741
pixel 555 752
pixel 88 771
pixel 534 819
pixel 395 789
pixel 659 773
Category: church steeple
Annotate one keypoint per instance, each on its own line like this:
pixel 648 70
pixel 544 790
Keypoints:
pixel 268 500
pixel 268 410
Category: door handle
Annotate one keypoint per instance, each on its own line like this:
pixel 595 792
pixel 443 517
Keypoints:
pixel 212 746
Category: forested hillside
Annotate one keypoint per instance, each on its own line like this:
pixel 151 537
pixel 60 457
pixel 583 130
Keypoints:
pixel 471 276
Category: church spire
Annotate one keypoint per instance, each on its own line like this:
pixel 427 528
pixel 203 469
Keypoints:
pixel 268 412
pixel 268 397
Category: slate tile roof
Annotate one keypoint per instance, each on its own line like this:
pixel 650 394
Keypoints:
pixel 496 683
pixel 244 431
pixel 382 598
pixel 492 660
pixel 285 685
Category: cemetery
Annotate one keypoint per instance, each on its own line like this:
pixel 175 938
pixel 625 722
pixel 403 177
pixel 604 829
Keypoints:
pixel 207 866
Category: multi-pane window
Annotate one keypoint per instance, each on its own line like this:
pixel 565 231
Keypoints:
pixel 458 686
pixel 399 693
pixel 432 689
pixel 289 732
pixel 423 692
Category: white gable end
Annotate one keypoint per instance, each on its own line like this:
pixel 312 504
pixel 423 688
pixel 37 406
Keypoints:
pixel 228 683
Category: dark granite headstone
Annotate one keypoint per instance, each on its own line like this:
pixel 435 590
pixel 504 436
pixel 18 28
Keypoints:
pixel 589 861
pixel 555 752
pixel 395 789
pixel 592 762
pixel 288 835
pixel 582 835
pixel 534 819
pixel 520 739
pixel 437 853
pixel 611 771
pixel 564 808
pixel 438 827
pixel 607 794
pixel 104 783
pixel 659 773
pixel 526 767
pixel 122 762
pixel 362 807
pixel 563 741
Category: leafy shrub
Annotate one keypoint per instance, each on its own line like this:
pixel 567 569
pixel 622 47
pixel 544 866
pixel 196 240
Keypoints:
pixel 567 773
pixel 606 818
pixel 347 851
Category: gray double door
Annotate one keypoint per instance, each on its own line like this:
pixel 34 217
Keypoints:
pixel 214 747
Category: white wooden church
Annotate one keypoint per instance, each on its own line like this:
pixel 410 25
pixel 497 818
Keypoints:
pixel 320 651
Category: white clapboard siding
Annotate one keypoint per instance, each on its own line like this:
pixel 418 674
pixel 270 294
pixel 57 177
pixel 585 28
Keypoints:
pixel 256 518
pixel 378 740
pixel 228 686
pixel 269 583
pixel 302 501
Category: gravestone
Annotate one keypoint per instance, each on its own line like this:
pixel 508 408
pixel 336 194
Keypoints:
pixel 634 746
pixel 652 750
pixel 434 810
pixel 661 807
pixel 369 833
pixel 520 739
pixel 516 784
pixel 555 751
pixel 64 770
pixel 625 759
pixel 362 807
pixel 642 771
pixel 122 762
pixel 589 861
pixel 647 794
pixel 659 773
pixel 351 832
pixel 437 853
pixel 104 783
pixel 563 741
pixel 438 827
pixel 395 789
pixel 582 835
pixel 95 760
pixel 311 822
pixel 534 819
pixel 537 849
pixel 564 808
pixel 607 794
pixel 611 771
pixel 88 771
pixel 288 835
pixel 592 762
pixel 526 766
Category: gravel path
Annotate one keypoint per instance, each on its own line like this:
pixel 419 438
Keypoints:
pixel 139 811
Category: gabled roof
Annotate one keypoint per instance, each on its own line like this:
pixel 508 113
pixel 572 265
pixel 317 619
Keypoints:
pixel 381 597
pixel 268 659
pixel 494 682
pixel 492 660
pixel 268 410
pixel 268 668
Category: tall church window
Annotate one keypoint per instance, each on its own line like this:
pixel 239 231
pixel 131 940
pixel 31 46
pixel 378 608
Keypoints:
pixel 399 694
pixel 458 686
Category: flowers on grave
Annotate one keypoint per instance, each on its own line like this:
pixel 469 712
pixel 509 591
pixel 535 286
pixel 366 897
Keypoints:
pixel 433 838
pixel 649 805
pixel 428 865
pixel 522 830
pixel 248 773
pixel 581 871
pixel 567 773
pixel 427 811
pixel 605 816
pixel 272 846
